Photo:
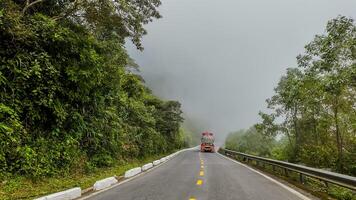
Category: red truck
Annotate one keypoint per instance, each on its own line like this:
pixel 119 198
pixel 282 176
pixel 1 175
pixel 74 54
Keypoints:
pixel 207 142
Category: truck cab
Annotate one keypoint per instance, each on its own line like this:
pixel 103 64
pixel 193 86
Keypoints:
pixel 207 142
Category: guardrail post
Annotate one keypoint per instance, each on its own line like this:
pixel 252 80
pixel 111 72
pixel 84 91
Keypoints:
pixel 301 178
pixel 286 172
pixel 326 186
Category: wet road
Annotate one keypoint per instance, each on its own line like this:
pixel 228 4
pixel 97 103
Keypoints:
pixel 192 175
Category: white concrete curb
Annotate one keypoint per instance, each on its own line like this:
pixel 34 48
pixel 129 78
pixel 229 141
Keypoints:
pixel 104 183
pixel 156 162
pixel 107 183
pixel 132 172
pixel 64 195
pixel 147 166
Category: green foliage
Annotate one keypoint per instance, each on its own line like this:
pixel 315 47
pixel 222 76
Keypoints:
pixel 341 193
pixel 68 99
pixel 193 128
pixel 315 104
pixel 105 18
pixel 250 141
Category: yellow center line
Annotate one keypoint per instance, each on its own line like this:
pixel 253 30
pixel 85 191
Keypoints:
pixel 199 182
pixel 202 167
pixel 192 198
pixel 201 173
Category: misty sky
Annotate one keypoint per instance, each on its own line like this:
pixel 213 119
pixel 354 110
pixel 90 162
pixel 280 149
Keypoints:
pixel 222 58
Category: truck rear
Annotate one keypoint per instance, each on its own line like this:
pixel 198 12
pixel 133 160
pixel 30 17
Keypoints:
pixel 207 142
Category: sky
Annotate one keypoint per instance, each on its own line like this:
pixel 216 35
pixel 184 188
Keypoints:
pixel 221 59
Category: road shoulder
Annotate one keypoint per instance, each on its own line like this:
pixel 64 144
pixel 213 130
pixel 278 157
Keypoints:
pixel 302 194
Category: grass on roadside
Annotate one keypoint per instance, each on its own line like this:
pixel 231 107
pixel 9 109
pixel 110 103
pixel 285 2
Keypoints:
pixel 24 188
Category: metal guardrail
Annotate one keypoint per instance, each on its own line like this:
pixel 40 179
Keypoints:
pixel 322 175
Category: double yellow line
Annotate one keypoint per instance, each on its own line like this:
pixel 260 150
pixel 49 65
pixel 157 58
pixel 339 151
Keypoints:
pixel 201 174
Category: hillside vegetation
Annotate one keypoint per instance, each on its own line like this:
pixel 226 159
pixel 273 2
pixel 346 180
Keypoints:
pixel 71 99
pixel 312 118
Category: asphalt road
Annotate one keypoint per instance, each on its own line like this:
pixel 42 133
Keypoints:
pixel 192 175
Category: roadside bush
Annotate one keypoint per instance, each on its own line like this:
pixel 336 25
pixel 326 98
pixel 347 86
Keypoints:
pixel 69 99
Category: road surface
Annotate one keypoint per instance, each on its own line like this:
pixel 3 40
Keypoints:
pixel 192 175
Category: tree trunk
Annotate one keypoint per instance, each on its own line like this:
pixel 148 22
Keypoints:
pixel 288 136
pixel 297 133
pixel 338 138
pixel 315 129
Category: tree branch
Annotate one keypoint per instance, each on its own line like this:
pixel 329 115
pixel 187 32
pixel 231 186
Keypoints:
pixel 69 11
pixel 28 5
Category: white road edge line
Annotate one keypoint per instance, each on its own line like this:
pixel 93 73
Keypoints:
pixel 127 180
pixel 300 195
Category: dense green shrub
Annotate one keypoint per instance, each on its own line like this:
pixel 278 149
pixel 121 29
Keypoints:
pixel 68 98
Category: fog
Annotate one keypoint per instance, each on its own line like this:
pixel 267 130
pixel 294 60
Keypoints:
pixel 222 58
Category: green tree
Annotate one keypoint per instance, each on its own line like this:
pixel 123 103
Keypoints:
pixel 331 58
pixel 314 105
pixel 68 97
pixel 250 141
pixel 105 18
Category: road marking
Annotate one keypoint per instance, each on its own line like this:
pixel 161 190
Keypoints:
pixel 202 167
pixel 192 198
pixel 300 195
pixel 199 182
pixel 201 173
